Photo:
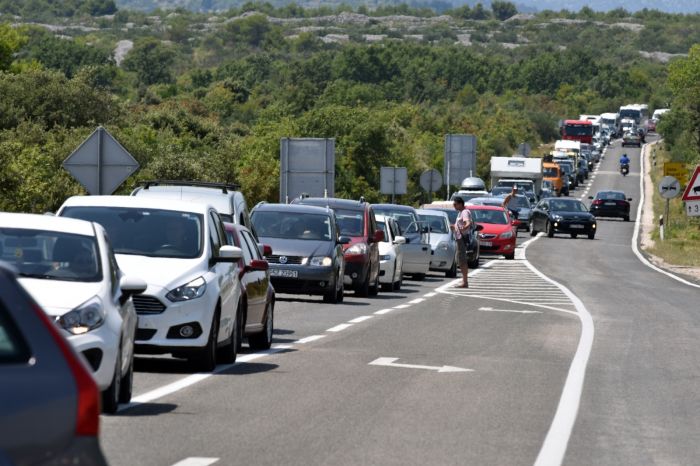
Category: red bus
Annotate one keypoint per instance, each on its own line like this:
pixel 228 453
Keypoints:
pixel 578 130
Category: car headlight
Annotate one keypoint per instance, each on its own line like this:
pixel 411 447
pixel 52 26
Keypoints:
pixel 192 290
pixel 358 248
pixel 506 235
pixel 558 218
pixel 444 245
pixel 88 316
pixel 321 261
pixel 385 258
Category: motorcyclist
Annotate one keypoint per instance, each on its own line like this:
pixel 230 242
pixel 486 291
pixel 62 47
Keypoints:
pixel 624 160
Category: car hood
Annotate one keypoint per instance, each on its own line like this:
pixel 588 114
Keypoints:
pixel 163 272
pixel 494 228
pixel 574 215
pixel 298 247
pixel 57 297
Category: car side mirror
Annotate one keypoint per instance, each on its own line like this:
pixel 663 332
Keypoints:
pixel 265 249
pixel 515 222
pixel 228 254
pixel 590 197
pixel 257 264
pixel 629 199
pixel 479 227
pixel 378 236
pixel 399 240
pixel 343 240
pixel 131 286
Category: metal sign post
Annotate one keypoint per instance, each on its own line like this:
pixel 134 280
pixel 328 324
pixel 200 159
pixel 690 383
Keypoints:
pixel 393 181
pixel 669 188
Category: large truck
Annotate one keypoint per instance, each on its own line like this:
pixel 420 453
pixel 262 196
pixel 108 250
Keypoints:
pixel 611 120
pixel 523 172
pixel 577 130
pixel 637 112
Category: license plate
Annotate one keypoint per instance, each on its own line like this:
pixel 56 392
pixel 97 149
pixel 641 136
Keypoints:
pixel 486 243
pixel 284 273
pixel 610 203
pixel 576 226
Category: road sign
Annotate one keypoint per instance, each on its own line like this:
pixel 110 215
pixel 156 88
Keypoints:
pixel 524 149
pixel 100 163
pixel 669 187
pixel 431 180
pixel 692 208
pixel 676 170
pixel 393 180
pixel 460 157
pixel 692 191
pixel 307 166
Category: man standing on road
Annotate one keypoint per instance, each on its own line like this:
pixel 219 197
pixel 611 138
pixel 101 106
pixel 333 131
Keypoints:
pixel 461 230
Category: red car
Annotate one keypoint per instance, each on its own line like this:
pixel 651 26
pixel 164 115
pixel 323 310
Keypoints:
pixel 256 291
pixel 500 232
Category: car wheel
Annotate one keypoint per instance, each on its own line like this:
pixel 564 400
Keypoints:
pixel 363 289
pixel 374 289
pixel 205 359
pixel 127 383
pixel 452 273
pixel 533 232
pixel 510 257
pixel 419 276
pixel 227 354
pixel 550 229
pixel 263 340
pixel 626 218
pixel 574 235
pixel 566 194
pixel 332 295
pixel 110 397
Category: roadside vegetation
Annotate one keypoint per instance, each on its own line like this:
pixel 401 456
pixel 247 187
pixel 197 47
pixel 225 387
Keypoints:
pixel 208 96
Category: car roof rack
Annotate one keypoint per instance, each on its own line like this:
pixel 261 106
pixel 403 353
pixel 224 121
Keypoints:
pixel 225 187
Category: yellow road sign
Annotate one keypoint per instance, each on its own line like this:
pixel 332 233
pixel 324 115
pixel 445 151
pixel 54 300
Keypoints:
pixel 676 170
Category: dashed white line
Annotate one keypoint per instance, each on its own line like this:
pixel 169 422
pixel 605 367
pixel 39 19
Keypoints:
pixel 309 339
pixel 196 461
pixel 416 301
pixel 339 328
pixel 357 320
pixel 402 306
pixel 383 311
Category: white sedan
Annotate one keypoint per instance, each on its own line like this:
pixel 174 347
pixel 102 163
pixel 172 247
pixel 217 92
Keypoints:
pixel 69 268
pixel 390 254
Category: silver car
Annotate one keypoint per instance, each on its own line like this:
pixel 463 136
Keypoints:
pixel 443 243
pixel 49 402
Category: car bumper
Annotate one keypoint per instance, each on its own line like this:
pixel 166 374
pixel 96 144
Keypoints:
pixel 309 280
pixel 497 247
pixel 386 270
pixel 574 227
pixel 355 273
pixel 609 211
pixel 99 347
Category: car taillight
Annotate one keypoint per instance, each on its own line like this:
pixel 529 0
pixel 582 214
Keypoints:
pixel 87 421
pixel 597 202
pixel 621 202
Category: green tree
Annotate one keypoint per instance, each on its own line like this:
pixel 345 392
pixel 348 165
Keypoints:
pixel 503 10
pixel 11 40
pixel 684 81
pixel 151 61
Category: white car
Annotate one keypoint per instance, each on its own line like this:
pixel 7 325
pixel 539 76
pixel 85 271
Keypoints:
pixel 390 254
pixel 192 306
pixel 69 268
pixel 442 242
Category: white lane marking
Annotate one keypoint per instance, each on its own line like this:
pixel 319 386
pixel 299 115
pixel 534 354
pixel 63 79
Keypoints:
pixel 357 320
pixel 490 309
pixel 638 224
pixel 339 328
pixel 196 461
pixel 390 362
pixel 429 295
pixel 301 341
pixel 416 301
pixel 381 312
pixel 196 378
pixel 402 306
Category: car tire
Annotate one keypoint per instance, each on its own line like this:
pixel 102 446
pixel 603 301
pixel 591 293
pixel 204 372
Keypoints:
pixel 626 218
pixel 452 273
pixel 550 230
pixel 533 232
pixel 110 396
pixel 419 276
pixel 363 289
pixel 591 235
pixel 374 289
pixel 227 354
pixel 205 359
pixel 574 235
pixel 331 296
pixel 127 383
pixel 510 257
pixel 341 291
pixel 263 340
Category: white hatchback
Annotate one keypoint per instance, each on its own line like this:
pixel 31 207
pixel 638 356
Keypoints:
pixel 192 307
pixel 69 268
pixel 390 254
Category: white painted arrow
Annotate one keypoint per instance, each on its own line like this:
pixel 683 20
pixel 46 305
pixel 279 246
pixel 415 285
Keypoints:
pixel 389 362
pixel 490 309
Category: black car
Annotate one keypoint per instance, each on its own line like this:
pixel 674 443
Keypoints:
pixel 557 215
pixel 611 204
pixel 307 249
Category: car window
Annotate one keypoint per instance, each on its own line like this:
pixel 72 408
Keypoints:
pixel 13 347
pixel 436 223
pixel 51 255
pixel 252 245
pixel 146 232
pixel 216 240
pixel 245 249
pixel 113 267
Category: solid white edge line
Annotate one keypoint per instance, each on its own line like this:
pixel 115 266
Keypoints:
pixel 638 224
pixel 339 328
pixel 196 461
pixel 416 301
pixel 401 306
pixel 383 311
pixel 309 339
pixel 357 320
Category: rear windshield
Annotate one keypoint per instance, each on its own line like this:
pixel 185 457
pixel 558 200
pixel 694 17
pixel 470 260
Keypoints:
pixel 437 224
pixel 519 202
pixel 350 222
pixel 612 196
pixel 567 206
pixel 292 225
pixel 51 255
pixel 146 232
pixel 497 217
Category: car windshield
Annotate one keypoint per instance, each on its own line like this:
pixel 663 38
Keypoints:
pixel 578 129
pixel 292 225
pixel 406 220
pixel 498 190
pixel 522 186
pixel 497 217
pixel 612 196
pixel 550 172
pixel 51 255
pixel 567 206
pixel 146 232
pixel 436 223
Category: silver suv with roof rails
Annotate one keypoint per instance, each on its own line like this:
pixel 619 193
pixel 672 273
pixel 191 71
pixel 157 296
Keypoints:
pixel 226 198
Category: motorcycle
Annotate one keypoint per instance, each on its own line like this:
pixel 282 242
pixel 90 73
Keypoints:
pixel 624 168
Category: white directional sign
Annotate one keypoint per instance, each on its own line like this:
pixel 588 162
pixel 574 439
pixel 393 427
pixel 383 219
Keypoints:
pixel 391 362
pixel 100 163
pixel 692 208
pixel 669 187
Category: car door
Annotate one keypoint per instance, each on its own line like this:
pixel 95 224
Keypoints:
pixel 256 280
pixel 228 284
pixel 543 215
pixel 417 248
pixel 373 246
pixel 398 248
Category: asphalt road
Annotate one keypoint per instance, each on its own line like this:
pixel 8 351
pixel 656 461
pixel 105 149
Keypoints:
pixel 365 382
